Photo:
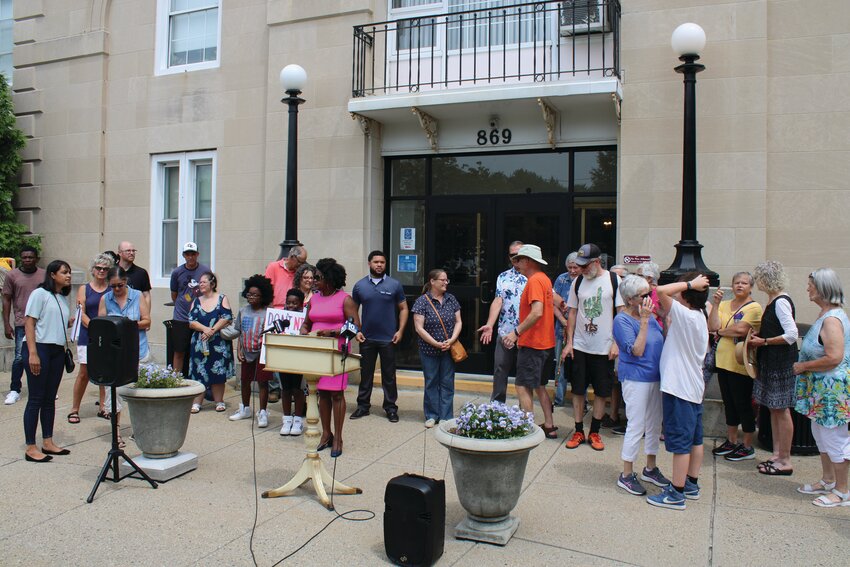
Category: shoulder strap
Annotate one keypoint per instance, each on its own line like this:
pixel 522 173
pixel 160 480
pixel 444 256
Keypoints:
pixel 445 332
pixel 61 316
pixel 577 284
pixel 614 284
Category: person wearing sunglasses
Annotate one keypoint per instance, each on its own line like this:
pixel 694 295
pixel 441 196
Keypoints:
pixel 640 341
pixel 123 301
pixel 88 297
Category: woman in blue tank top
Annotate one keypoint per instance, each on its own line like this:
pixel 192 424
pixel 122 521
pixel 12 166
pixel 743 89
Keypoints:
pixel 89 297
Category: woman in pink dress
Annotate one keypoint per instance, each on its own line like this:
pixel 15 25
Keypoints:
pixel 329 308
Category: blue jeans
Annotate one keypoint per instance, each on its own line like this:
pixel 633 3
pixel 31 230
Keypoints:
pixel 18 362
pixel 439 396
pixel 41 399
pixel 563 378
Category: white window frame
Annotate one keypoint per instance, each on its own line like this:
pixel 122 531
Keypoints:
pixel 163 9
pixel 11 45
pixel 186 207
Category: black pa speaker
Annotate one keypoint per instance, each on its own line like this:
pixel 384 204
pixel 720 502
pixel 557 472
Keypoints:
pixel 113 351
pixel 414 520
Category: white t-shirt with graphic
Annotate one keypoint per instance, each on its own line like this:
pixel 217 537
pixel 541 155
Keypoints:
pixel 594 306
pixel 683 354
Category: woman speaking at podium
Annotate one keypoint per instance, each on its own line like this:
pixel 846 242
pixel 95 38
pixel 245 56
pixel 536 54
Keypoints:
pixel 329 308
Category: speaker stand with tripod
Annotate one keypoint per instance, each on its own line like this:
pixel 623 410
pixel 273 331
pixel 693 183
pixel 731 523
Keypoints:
pixel 116 453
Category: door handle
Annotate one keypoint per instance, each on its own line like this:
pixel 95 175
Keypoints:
pixel 482 291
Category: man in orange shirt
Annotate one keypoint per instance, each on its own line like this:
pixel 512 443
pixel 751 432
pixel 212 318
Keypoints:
pixel 535 336
pixel 282 274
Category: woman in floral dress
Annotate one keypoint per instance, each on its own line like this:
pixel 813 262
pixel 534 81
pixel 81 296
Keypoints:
pixel 210 356
pixel 823 387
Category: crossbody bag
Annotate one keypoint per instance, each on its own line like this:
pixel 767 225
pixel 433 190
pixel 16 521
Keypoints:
pixel 457 351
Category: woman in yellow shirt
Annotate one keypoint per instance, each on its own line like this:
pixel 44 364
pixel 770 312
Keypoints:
pixel 731 321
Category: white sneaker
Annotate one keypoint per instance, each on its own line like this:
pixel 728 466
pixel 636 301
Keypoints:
pixel 429 423
pixel 244 412
pixel 287 425
pixel 297 426
pixel 262 418
pixel 12 397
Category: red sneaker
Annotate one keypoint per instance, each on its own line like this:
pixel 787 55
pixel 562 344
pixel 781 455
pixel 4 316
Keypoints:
pixel 576 440
pixel 595 441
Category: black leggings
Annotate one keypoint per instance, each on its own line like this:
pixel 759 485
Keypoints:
pixel 737 392
pixel 41 402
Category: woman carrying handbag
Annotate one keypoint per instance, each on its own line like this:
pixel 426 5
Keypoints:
pixel 44 357
pixel 436 318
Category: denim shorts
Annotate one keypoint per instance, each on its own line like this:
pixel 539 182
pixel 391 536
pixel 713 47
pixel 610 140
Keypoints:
pixel 682 424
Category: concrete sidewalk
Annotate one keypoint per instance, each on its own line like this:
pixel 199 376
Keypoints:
pixel 571 511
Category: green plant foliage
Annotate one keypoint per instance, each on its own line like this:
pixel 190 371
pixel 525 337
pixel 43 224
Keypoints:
pixel 13 235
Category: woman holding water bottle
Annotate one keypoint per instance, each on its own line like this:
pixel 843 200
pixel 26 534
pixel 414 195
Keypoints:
pixel 210 356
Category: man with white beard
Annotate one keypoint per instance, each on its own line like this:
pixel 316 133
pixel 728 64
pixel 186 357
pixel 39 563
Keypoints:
pixel 593 302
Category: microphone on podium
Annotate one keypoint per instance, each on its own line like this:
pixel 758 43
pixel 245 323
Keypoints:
pixel 278 326
pixel 348 331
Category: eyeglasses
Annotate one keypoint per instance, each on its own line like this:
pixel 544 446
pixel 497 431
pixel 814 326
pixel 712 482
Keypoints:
pixel 443 280
pixel 645 295
pixel 318 277
pixel 101 268
pixel 117 286
pixel 252 295
pixel 133 250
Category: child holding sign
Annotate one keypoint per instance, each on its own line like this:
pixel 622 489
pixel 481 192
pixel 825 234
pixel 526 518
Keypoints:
pixel 250 320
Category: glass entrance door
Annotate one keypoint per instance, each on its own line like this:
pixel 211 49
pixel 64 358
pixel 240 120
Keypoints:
pixel 469 238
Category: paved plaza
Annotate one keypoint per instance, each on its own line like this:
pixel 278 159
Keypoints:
pixel 571 511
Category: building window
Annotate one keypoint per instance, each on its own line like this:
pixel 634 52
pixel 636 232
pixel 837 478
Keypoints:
pixel 7 22
pixel 182 209
pixel 188 35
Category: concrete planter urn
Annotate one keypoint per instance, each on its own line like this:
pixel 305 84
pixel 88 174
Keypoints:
pixel 160 416
pixel 488 476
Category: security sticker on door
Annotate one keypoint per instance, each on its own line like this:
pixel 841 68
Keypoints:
pixel 408 239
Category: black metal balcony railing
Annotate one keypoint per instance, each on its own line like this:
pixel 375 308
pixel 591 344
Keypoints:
pixel 533 42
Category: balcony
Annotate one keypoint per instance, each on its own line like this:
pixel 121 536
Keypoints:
pixel 568 41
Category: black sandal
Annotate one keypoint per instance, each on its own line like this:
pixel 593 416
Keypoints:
pixel 74 417
pixel 104 414
pixel 551 432
pixel 769 468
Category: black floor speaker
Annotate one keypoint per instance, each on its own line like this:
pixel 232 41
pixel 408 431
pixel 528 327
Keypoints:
pixel 113 351
pixel 414 520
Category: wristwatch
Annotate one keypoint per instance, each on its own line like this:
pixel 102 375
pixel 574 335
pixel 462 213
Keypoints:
pixel 516 332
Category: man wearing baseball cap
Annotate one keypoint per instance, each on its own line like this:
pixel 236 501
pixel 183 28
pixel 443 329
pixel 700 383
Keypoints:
pixel 593 302
pixel 184 289
pixel 534 336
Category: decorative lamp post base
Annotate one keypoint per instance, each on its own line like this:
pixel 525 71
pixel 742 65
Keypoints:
pixel 688 259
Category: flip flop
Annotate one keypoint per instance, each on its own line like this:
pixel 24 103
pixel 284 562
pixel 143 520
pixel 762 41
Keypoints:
pixel 769 468
pixel 74 417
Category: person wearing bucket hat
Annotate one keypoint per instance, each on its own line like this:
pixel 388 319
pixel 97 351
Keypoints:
pixel 731 320
pixel 534 336
pixel 593 303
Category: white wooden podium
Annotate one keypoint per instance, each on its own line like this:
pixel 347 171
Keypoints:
pixel 313 357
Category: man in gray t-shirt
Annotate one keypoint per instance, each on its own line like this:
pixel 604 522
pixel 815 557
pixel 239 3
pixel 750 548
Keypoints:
pixel 184 290
pixel 17 287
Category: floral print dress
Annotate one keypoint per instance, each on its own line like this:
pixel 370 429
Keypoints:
pixel 825 396
pixel 217 366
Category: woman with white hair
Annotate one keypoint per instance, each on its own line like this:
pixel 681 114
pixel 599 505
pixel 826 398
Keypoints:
pixel 774 384
pixel 823 387
pixel 651 273
pixel 640 341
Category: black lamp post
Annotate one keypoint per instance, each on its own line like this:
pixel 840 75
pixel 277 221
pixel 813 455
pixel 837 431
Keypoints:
pixel 687 41
pixel 292 78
